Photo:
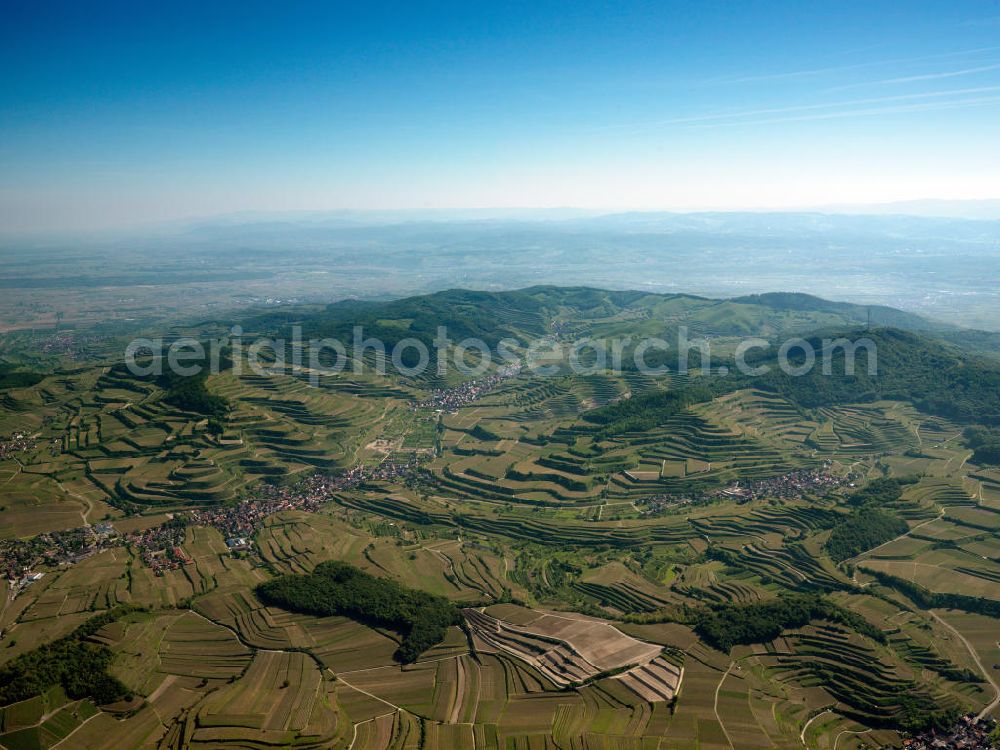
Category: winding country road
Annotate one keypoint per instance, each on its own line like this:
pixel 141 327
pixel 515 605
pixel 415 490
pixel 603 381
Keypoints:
pixel 975 657
pixel 802 734
pixel 715 707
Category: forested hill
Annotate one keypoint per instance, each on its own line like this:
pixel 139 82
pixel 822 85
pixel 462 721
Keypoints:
pixel 880 315
pixel 913 365
pixel 484 315
pixel 11 377
pixel 936 377
pixel 536 311
pixel 337 588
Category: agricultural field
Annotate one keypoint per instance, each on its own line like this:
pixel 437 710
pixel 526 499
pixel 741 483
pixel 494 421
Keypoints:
pixel 583 551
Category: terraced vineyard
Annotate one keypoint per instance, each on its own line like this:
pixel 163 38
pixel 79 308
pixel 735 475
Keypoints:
pixel 583 559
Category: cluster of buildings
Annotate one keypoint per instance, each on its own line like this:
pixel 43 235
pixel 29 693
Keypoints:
pixel 655 504
pixel 19 557
pixel 160 546
pixel 239 522
pixel 18 442
pixel 20 584
pixel 969 733
pixel 788 486
pixel 452 399
pixel 68 344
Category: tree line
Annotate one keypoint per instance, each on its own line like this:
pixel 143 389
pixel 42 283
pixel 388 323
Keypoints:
pixel 934 376
pixel 985 444
pixel 927 599
pixel 861 531
pixel 728 625
pixel 75 663
pixel 338 588
pixel 191 393
pixel 645 411
pixel 11 377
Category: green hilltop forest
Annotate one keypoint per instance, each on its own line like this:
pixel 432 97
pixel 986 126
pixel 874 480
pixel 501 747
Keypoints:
pixel 863 530
pixel 72 662
pixel 731 624
pixel 936 377
pixel 336 588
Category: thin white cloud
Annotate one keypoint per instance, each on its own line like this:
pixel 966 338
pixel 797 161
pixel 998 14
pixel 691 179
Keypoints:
pixel 921 77
pixel 791 74
pixel 743 114
pixel 863 112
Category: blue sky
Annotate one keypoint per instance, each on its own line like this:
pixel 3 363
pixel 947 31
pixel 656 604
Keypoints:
pixel 121 113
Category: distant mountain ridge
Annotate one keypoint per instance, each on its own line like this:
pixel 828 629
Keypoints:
pixel 939 267
pixel 916 361
pixel 534 311
pixel 876 314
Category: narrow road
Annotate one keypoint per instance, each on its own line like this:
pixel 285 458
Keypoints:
pixel 456 709
pixel 715 707
pixel 86 503
pixel 975 657
pixel 341 680
pixel 905 534
pixel 78 728
pixel 11 477
pixel 802 734
pixel 849 731
pixel 354 736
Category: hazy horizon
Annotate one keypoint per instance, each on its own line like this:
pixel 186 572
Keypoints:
pixel 120 115
pixel 978 210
